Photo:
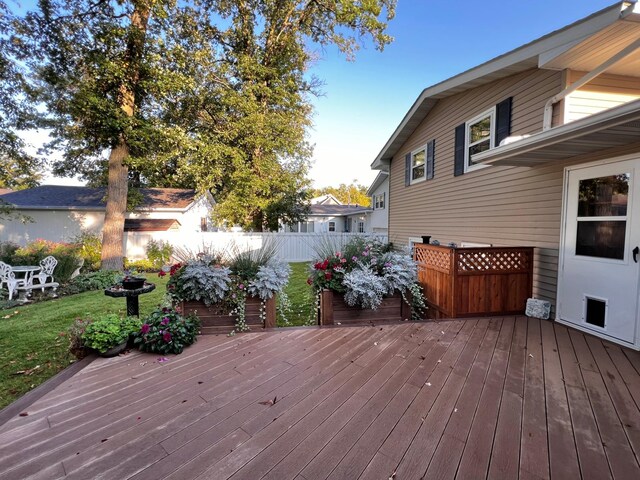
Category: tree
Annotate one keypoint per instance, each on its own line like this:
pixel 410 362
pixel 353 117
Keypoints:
pixel 18 169
pixel 351 194
pixel 205 93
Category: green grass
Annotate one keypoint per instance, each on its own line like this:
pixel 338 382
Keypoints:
pixel 34 345
pixel 33 342
pixel 300 296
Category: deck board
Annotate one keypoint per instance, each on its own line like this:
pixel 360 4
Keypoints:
pixel 503 397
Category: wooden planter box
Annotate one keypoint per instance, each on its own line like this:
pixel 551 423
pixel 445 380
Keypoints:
pixel 216 319
pixel 472 282
pixel 334 310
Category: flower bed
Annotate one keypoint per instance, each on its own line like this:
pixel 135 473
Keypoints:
pixel 229 293
pixel 366 282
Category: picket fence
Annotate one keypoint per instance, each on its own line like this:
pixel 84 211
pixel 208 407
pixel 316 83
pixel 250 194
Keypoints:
pixel 290 247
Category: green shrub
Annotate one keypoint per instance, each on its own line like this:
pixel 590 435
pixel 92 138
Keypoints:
pixel 90 281
pixel 67 255
pixel 7 250
pixel 108 331
pixel 159 253
pixel 90 250
pixel 140 265
pixel 166 331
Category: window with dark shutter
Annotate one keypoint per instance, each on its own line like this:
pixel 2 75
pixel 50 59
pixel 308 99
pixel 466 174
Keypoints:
pixel 431 149
pixel 458 156
pixel 503 120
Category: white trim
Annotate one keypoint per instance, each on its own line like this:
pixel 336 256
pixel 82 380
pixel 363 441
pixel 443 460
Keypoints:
pixel 412 166
pixel 491 113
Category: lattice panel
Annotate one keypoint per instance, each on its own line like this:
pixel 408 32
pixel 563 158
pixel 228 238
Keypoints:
pixel 437 259
pixel 502 261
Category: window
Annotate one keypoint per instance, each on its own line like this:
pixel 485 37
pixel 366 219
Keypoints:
pixel 378 201
pixel 417 165
pixel 360 227
pixel 332 226
pixel 203 224
pixel 306 227
pixel 479 136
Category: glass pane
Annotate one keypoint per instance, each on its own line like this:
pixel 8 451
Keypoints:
pixel 418 172
pixel 604 196
pixel 602 239
pixel 480 130
pixel 477 148
pixel 418 158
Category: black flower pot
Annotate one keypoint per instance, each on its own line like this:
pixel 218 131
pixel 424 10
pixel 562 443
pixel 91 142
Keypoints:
pixel 133 283
pixel 426 239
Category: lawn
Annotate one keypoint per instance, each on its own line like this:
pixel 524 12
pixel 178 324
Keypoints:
pixel 33 342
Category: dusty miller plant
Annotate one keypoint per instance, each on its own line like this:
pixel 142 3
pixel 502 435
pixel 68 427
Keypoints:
pixel 270 279
pixel 399 271
pixel 364 288
pixel 203 283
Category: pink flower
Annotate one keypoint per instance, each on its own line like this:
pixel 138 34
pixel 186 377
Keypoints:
pixel 354 258
pixel 165 321
pixel 343 260
pixel 365 253
pixel 166 337
pixel 145 328
pixel 338 254
pixel 241 286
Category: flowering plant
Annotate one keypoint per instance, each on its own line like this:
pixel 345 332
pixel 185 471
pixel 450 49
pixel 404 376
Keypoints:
pixel 227 281
pixel 365 271
pixel 166 331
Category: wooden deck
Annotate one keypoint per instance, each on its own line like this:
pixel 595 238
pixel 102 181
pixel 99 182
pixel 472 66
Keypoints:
pixel 505 398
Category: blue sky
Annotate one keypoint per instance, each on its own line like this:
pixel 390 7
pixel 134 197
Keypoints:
pixel 365 100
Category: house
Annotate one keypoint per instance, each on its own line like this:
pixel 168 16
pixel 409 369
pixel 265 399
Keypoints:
pixel 537 147
pixel 379 193
pixel 329 216
pixel 59 213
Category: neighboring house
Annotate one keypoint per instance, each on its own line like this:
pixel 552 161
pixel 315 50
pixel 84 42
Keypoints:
pixel 59 213
pixel 538 147
pixel 379 193
pixel 328 217
pixel 327 199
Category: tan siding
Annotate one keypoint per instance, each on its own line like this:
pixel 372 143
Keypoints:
pixel 500 205
pixel 601 93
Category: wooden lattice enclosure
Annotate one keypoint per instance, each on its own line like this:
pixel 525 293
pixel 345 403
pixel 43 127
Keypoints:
pixel 468 282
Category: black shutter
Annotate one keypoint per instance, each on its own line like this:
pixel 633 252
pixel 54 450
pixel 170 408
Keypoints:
pixel 503 120
pixel 431 150
pixel 407 170
pixel 458 156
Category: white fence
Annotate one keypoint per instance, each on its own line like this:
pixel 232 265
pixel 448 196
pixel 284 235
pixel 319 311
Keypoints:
pixel 291 247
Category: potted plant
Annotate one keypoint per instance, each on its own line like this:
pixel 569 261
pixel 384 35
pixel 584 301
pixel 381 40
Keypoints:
pixel 365 281
pixel 229 293
pixel 109 334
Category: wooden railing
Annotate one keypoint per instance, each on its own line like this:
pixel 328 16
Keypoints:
pixel 479 281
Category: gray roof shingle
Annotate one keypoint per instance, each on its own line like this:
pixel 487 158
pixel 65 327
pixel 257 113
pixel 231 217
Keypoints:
pixel 67 197
pixel 337 210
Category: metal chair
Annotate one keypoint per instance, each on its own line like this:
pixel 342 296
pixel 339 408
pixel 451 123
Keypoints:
pixel 47 266
pixel 8 278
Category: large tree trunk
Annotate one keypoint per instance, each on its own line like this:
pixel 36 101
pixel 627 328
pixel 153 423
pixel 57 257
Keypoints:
pixel 113 230
pixel 117 189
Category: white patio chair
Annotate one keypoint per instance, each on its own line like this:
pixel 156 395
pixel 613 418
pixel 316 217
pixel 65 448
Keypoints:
pixel 8 278
pixel 47 265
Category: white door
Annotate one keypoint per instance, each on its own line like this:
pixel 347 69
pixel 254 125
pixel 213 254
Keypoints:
pixel 599 271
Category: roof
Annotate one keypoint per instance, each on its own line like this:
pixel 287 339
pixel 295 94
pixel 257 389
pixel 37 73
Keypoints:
pixel 86 198
pixel 610 128
pixel 326 199
pixel 550 51
pixel 382 177
pixel 337 210
pixel 5 190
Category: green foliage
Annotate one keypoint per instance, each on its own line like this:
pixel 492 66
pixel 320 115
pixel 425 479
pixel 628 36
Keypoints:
pixel 85 282
pixel 90 250
pixel 144 265
pixel 67 255
pixel 351 194
pixel 166 331
pixel 159 253
pixel 7 251
pixel 245 263
pixel 108 331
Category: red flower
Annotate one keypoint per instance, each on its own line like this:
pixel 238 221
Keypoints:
pixel 162 273
pixel 166 337
pixel 327 275
pixel 145 328
pixel 309 281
